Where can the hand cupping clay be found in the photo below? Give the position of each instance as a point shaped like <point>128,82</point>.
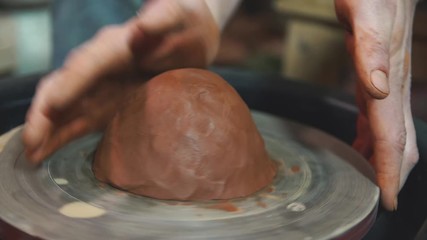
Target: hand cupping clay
<point>184,135</point>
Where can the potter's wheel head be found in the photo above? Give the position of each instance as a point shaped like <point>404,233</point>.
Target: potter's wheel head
<point>323,190</point>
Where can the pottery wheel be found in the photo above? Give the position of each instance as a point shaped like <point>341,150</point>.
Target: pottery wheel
<point>323,190</point>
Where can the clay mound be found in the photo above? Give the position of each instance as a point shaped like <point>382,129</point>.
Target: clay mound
<point>184,135</point>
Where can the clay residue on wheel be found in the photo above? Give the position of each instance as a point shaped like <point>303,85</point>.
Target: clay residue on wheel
<point>81,210</point>
<point>295,169</point>
<point>225,206</point>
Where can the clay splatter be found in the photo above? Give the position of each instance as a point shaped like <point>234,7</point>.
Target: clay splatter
<point>270,196</point>
<point>295,169</point>
<point>261,204</point>
<point>225,206</point>
<point>81,210</point>
<point>60,181</point>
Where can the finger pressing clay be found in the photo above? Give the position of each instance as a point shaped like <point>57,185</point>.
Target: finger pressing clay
<point>184,135</point>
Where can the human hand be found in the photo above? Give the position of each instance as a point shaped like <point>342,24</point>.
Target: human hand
<point>84,94</point>
<point>378,37</point>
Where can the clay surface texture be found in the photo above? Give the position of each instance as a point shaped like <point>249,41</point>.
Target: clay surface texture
<point>184,135</point>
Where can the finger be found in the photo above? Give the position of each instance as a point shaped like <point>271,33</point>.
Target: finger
<point>387,123</point>
<point>107,53</point>
<point>401,67</point>
<point>173,32</point>
<point>34,133</point>
<point>38,125</point>
<point>371,30</point>
<point>372,62</point>
<point>410,154</point>
<point>63,135</point>
<point>92,112</point>
<point>363,141</point>
<point>43,118</point>
<point>40,131</point>
<point>182,50</point>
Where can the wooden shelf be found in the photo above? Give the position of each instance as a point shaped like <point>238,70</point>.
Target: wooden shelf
<point>315,9</point>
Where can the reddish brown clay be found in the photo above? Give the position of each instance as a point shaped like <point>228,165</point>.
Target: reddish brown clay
<point>295,169</point>
<point>225,206</point>
<point>184,135</point>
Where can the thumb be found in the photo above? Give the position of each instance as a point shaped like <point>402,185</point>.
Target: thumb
<point>371,59</point>
<point>368,40</point>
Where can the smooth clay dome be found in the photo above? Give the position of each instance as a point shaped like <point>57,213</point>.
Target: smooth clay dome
<point>184,135</point>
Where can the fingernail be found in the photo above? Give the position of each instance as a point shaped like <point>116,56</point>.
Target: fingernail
<point>395,204</point>
<point>380,82</point>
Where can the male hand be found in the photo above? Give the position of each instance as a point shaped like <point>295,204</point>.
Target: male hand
<point>379,36</point>
<point>85,93</point>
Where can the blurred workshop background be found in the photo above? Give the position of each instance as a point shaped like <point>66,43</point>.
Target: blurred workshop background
<point>299,39</point>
